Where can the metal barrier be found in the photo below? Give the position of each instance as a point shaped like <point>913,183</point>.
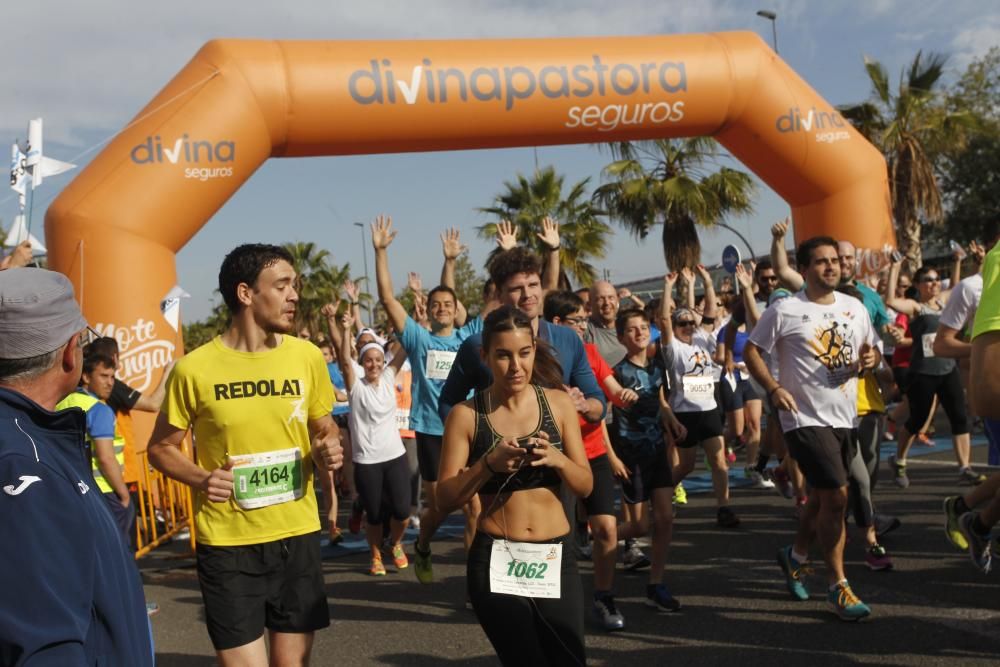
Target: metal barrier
<point>164,509</point>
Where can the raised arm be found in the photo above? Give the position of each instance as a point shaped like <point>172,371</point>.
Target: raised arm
<point>382,236</point>
<point>452,248</point>
<point>151,402</point>
<point>344,359</point>
<point>711,309</point>
<point>550,239</point>
<point>745,279</point>
<point>666,309</point>
<point>688,275</point>
<point>788,276</point>
<point>354,298</point>
<point>905,306</point>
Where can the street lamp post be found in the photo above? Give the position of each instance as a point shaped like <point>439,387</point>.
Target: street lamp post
<point>364,255</point>
<point>773,18</point>
<point>742,238</point>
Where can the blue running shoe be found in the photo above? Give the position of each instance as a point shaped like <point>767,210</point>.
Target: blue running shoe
<point>795,573</point>
<point>659,598</point>
<point>846,604</point>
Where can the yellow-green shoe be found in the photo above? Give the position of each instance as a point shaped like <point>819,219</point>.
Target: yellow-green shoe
<point>680,495</point>
<point>422,565</point>
<point>951,529</point>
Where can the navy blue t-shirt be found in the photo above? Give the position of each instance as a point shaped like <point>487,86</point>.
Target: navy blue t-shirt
<point>636,432</point>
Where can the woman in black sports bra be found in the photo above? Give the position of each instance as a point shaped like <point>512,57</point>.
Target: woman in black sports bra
<point>515,444</point>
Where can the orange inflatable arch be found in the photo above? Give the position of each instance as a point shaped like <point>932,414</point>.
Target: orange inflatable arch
<point>116,228</point>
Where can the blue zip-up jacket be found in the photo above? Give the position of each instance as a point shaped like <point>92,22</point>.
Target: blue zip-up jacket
<point>469,373</point>
<point>71,591</point>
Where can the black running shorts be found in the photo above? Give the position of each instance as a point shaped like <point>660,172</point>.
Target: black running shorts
<point>275,585</point>
<point>646,473</point>
<point>602,499</point>
<point>823,454</point>
<point>735,399</point>
<point>428,456</point>
<point>701,426</point>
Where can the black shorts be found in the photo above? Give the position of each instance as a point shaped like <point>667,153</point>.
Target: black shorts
<point>645,473</point>
<point>343,421</point>
<point>428,456</point>
<point>275,585</point>
<point>901,375</point>
<point>735,399</point>
<point>823,454</point>
<point>701,426</point>
<point>602,499</point>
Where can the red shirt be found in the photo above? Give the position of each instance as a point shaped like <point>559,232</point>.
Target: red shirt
<point>593,434</point>
<point>901,355</point>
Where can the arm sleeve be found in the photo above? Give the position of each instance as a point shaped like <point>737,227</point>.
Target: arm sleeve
<point>461,379</point>
<point>101,422</point>
<point>123,397</point>
<point>413,338</point>
<point>181,397</point>
<point>471,328</point>
<point>321,398</point>
<point>956,312</point>
<point>48,559</point>
<point>765,333</point>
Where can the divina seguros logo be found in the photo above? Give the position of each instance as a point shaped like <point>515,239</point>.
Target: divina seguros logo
<point>187,151</point>
<point>380,84</point>
<point>829,126</point>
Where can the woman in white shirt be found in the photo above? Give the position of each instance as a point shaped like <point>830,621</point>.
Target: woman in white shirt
<point>381,472</point>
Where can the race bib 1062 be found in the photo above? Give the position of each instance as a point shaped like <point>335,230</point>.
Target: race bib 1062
<point>527,570</point>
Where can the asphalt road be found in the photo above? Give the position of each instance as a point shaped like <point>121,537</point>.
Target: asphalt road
<point>933,608</point>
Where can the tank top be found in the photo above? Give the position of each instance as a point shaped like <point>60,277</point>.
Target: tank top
<point>485,438</point>
<point>923,328</point>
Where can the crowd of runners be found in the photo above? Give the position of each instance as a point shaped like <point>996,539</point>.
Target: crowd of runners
<point>561,424</point>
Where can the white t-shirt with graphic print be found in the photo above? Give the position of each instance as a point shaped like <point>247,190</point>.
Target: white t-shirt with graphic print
<point>692,372</point>
<point>817,348</point>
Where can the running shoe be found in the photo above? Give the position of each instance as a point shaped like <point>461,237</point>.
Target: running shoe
<point>726,518</point>
<point>877,558</point>
<point>795,573</point>
<point>730,455</point>
<point>659,598</point>
<point>968,476</point>
<point>336,535</point>
<point>354,523</point>
<point>377,569</point>
<point>634,559</point>
<point>757,479</point>
<point>152,609</point>
<point>414,522</point>
<point>422,565</point>
<point>885,524</point>
<point>846,604</point>
<point>951,527</point>
<point>680,495</point>
<point>399,558</point>
<point>979,545</point>
<point>924,439</point>
<point>783,483</point>
<point>607,614</point>
<point>585,552</point>
<point>898,472</point>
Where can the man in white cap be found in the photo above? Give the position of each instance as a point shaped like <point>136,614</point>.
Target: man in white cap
<point>71,591</point>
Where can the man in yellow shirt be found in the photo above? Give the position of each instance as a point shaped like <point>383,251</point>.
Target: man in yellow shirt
<point>258,402</point>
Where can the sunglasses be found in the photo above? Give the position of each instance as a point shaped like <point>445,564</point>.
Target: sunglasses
<point>87,336</point>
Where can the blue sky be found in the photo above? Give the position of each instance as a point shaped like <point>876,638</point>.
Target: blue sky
<point>87,68</point>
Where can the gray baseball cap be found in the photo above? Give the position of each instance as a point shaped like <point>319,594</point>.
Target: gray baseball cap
<point>38,312</point>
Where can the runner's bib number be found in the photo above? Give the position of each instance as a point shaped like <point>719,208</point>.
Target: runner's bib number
<point>927,342</point>
<point>699,389</point>
<point>439,364</point>
<point>527,570</point>
<point>271,478</point>
<point>403,419</point>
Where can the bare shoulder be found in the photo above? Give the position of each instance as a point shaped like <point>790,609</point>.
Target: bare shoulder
<point>559,401</point>
<point>461,417</point>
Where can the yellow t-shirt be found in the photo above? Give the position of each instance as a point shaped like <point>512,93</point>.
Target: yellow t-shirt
<point>259,403</point>
<point>988,313</point>
<point>869,395</point>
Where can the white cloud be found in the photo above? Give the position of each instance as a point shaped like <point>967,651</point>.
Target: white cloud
<point>976,40</point>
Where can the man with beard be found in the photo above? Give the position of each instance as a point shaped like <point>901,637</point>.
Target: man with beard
<point>258,401</point>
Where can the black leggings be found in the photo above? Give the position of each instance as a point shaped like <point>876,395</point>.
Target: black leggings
<point>862,470</point>
<point>951,396</point>
<point>528,631</point>
<point>389,480</point>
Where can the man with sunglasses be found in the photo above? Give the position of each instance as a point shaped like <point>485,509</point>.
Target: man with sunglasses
<point>71,591</point>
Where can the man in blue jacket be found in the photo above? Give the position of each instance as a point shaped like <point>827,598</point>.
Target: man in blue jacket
<point>71,590</point>
<point>517,275</point>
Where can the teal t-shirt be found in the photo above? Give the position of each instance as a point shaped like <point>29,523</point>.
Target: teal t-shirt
<point>430,358</point>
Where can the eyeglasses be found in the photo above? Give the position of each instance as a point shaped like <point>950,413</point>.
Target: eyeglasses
<point>686,323</point>
<point>87,336</point>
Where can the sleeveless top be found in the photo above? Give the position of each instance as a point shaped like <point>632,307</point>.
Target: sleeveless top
<point>486,438</point>
<point>923,328</point>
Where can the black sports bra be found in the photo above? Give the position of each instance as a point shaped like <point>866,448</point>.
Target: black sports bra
<point>485,438</point>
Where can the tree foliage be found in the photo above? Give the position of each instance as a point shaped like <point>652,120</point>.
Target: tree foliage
<point>527,201</point>
<point>676,183</point>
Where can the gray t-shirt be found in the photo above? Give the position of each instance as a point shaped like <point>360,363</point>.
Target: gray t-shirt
<point>606,340</point>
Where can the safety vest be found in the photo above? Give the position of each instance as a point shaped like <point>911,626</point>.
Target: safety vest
<point>81,399</point>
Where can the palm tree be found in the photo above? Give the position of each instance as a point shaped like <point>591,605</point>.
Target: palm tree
<point>317,283</point>
<point>910,127</point>
<point>526,202</point>
<point>676,183</point>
